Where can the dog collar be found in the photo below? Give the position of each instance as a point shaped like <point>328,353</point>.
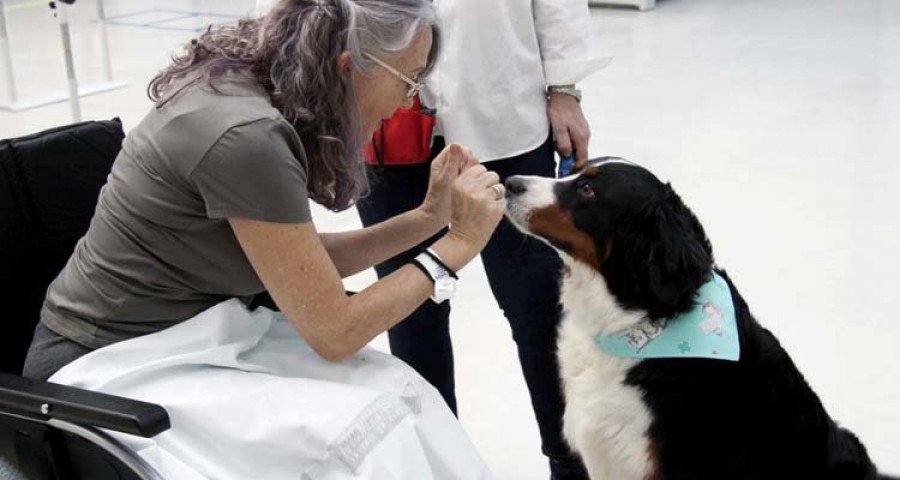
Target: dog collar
<point>707,331</point>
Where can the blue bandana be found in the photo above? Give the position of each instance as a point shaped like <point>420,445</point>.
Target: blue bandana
<point>707,331</point>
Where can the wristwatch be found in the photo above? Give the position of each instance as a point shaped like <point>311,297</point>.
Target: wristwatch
<point>443,277</point>
<point>569,90</point>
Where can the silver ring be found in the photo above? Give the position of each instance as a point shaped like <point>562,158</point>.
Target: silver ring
<point>500,190</point>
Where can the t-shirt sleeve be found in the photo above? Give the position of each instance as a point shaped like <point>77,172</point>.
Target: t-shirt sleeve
<point>255,171</point>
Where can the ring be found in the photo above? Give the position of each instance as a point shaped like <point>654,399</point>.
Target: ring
<point>500,190</point>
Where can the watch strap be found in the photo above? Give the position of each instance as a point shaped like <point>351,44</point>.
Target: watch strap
<point>434,256</point>
<point>439,276</point>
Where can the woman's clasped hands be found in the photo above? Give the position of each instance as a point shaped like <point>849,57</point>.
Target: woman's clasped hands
<point>465,194</point>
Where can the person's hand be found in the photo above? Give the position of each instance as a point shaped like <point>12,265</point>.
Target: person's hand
<point>445,169</point>
<point>570,129</point>
<point>478,204</point>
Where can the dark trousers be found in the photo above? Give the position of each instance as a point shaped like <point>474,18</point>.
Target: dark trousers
<point>49,352</point>
<point>524,277</point>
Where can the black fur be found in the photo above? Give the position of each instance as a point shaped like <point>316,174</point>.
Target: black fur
<point>660,241</point>
<point>654,237</point>
<point>752,419</point>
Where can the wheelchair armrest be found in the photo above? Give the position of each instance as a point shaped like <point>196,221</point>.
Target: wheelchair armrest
<point>45,400</point>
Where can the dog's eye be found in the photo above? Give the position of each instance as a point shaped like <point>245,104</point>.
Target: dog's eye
<point>586,190</point>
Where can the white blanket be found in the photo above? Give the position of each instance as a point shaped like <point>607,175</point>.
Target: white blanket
<point>248,398</point>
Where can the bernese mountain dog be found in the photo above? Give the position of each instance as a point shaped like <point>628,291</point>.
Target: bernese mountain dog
<point>667,375</point>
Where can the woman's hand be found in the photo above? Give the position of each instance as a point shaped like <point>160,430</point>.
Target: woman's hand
<point>477,206</point>
<point>445,169</point>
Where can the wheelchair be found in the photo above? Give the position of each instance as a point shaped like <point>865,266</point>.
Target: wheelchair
<point>49,185</point>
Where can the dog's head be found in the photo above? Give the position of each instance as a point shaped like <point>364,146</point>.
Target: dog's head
<point>619,220</point>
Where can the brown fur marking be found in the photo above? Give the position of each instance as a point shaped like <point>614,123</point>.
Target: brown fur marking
<point>558,227</point>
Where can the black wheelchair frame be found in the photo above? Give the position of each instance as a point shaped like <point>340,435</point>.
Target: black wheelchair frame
<point>49,185</point>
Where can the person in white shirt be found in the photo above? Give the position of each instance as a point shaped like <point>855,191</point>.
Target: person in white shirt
<point>504,86</point>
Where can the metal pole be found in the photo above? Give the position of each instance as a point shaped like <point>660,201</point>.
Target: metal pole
<point>104,41</point>
<point>63,15</point>
<point>6,58</point>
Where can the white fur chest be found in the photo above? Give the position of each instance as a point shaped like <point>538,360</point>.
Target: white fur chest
<point>606,421</point>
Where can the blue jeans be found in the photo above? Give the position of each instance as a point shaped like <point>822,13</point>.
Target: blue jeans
<point>523,274</point>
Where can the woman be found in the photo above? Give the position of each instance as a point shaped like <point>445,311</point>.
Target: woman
<point>208,199</point>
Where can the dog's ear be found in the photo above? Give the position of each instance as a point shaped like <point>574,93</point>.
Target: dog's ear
<point>664,255</point>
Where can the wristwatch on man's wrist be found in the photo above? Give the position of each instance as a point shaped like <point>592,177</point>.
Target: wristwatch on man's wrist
<point>443,277</point>
<point>569,90</point>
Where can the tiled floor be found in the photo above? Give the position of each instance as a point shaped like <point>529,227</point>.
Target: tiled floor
<point>778,122</point>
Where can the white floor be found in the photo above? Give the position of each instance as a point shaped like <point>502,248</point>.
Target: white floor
<point>778,122</point>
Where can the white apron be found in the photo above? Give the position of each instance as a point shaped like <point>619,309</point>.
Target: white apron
<point>248,398</point>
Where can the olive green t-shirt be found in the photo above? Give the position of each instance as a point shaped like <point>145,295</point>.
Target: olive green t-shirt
<point>160,249</point>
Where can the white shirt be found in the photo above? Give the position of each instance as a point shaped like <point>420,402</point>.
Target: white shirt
<point>497,58</point>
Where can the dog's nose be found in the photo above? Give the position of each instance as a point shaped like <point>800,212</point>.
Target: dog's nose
<point>515,185</point>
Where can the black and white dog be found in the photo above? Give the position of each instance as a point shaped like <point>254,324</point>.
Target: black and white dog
<point>666,373</point>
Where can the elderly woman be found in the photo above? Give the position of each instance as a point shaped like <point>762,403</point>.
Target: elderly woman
<point>209,201</point>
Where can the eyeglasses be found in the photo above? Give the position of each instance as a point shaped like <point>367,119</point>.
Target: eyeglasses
<point>414,86</point>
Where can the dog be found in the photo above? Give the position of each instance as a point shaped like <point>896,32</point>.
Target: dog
<point>640,288</point>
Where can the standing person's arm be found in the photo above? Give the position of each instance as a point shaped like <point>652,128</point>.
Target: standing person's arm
<point>565,36</point>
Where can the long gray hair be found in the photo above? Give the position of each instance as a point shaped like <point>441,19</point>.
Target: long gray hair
<point>293,53</point>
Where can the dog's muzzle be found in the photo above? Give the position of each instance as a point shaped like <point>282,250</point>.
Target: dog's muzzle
<point>524,194</point>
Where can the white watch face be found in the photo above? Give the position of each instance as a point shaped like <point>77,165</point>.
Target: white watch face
<point>444,289</point>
